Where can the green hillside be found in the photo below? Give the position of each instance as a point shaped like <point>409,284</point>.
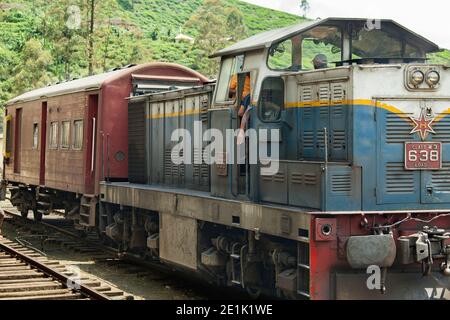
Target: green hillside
<point>37,47</point>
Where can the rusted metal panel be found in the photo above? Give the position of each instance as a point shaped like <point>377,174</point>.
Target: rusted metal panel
<point>178,240</point>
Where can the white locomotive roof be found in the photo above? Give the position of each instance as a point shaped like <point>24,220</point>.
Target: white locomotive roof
<point>267,39</point>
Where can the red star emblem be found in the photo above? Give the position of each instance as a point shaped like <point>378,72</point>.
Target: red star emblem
<point>423,126</point>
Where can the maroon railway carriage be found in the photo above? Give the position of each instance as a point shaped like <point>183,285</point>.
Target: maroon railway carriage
<point>63,139</point>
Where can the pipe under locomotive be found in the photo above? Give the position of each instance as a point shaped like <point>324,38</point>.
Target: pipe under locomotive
<point>359,206</point>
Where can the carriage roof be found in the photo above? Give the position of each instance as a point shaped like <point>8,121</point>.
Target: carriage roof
<point>96,82</point>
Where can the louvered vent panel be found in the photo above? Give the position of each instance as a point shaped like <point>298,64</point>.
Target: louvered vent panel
<point>204,110</point>
<point>279,177</point>
<point>168,162</point>
<point>321,139</point>
<point>442,128</point>
<point>324,94</point>
<point>308,140</point>
<point>337,112</point>
<point>398,129</point>
<point>339,139</point>
<point>297,178</point>
<point>441,179</point>
<point>310,179</point>
<point>338,94</point>
<point>398,180</point>
<point>341,183</point>
<point>324,113</point>
<point>205,171</point>
<point>306,95</point>
<point>307,113</point>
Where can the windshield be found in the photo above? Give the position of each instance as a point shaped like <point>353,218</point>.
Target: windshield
<point>379,43</point>
<point>297,53</point>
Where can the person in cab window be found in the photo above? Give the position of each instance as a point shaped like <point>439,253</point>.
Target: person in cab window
<point>320,62</point>
<point>246,92</point>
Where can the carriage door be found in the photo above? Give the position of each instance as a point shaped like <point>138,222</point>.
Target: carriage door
<point>43,143</point>
<point>18,140</point>
<point>92,121</point>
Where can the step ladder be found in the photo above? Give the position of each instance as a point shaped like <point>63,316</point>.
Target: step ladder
<point>88,210</point>
<point>236,265</point>
<point>44,205</point>
<point>303,270</point>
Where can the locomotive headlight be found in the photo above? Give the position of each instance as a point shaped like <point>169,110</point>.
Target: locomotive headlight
<point>433,78</point>
<point>417,78</point>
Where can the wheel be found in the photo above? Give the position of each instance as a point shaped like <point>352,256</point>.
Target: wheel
<point>37,216</point>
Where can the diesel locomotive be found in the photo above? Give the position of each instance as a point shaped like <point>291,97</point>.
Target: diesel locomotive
<point>359,206</point>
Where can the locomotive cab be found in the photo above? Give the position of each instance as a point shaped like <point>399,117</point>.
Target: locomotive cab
<point>314,106</point>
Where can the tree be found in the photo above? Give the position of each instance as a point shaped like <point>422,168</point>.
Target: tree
<point>32,71</point>
<point>305,7</point>
<point>217,26</point>
<point>90,35</point>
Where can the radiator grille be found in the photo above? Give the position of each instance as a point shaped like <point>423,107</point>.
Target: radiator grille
<point>398,129</point>
<point>398,180</point>
<point>442,129</point>
<point>441,179</point>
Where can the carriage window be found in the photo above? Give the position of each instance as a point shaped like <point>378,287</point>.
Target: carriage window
<point>65,134</point>
<point>54,135</point>
<point>78,134</point>
<point>229,67</point>
<point>35,135</point>
<point>272,99</point>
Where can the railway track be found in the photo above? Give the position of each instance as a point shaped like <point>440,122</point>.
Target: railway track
<point>27,275</point>
<point>55,235</point>
<point>62,232</point>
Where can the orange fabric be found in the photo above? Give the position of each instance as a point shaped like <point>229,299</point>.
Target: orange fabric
<point>234,84</point>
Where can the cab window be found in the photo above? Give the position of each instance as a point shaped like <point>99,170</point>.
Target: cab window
<point>271,100</point>
<point>381,43</point>
<point>229,67</point>
<point>298,52</point>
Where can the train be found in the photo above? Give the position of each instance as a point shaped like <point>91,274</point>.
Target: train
<point>286,177</point>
